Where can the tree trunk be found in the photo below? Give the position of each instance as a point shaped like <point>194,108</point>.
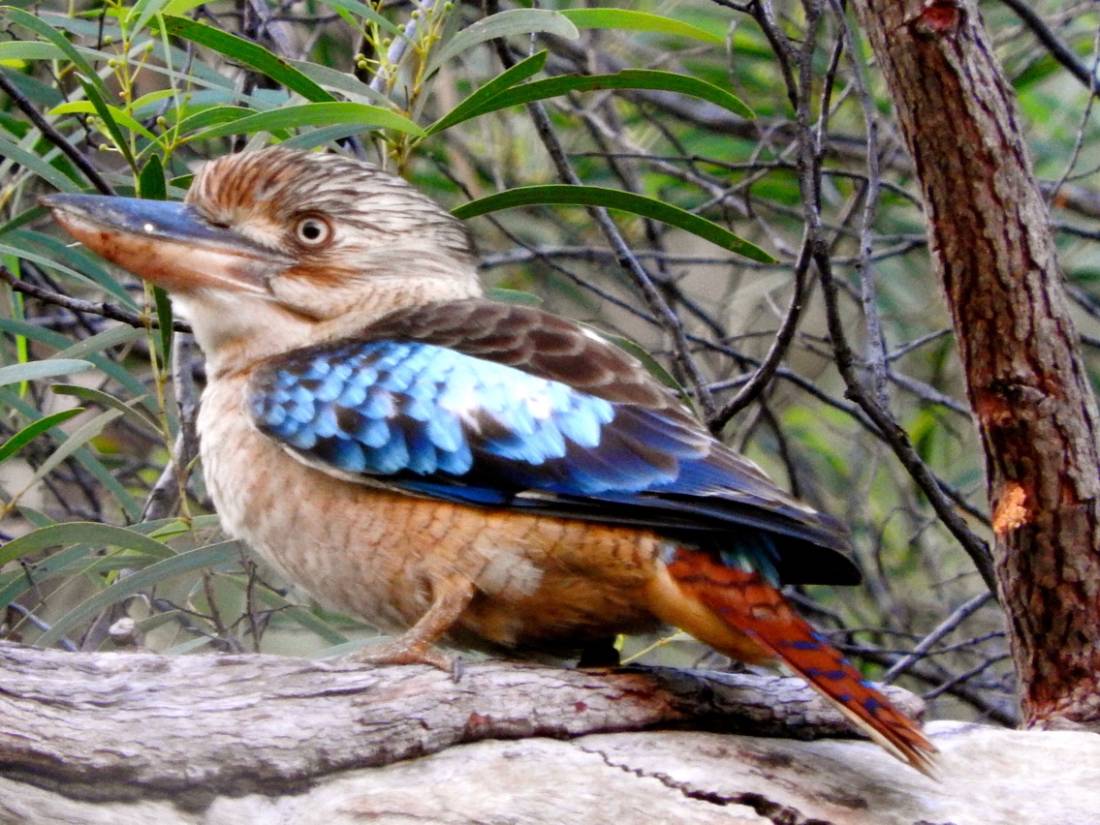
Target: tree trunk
<point>993,249</point>
<point>134,738</point>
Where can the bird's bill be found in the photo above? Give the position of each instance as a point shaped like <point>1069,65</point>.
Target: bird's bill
<point>167,243</point>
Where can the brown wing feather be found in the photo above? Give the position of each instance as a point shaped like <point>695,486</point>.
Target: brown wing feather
<point>557,349</point>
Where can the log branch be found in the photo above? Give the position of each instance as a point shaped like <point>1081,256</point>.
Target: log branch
<point>117,726</point>
<point>134,738</point>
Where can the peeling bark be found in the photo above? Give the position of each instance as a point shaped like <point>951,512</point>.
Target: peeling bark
<point>994,252</point>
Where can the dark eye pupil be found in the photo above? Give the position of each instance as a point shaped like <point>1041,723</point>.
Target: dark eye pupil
<point>311,230</point>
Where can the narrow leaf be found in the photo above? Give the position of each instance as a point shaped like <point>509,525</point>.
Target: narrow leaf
<point>34,370</point>
<point>82,532</point>
<point>39,166</point>
<point>48,32</point>
<point>504,24</point>
<point>502,82</point>
<point>314,114</point>
<point>214,554</point>
<point>143,10</point>
<point>613,199</point>
<point>626,79</point>
<point>108,401</point>
<point>345,82</point>
<point>26,435</point>
<point>80,436</point>
<point>112,337</point>
<point>366,12</point>
<point>639,21</point>
<point>30,50</point>
<point>246,52</point>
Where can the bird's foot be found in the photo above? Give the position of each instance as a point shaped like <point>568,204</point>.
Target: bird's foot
<point>399,652</point>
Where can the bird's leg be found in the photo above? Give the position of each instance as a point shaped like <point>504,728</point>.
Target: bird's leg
<point>416,645</point>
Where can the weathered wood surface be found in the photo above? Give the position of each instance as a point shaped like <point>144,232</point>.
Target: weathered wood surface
<point>218,740</point>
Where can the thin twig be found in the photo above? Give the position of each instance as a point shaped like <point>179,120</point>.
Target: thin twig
<point>100,308</point>
<point>957,617</point>
<point>1058,50</point>
<point>55,137</point>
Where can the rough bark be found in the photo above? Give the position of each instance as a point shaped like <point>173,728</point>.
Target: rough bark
<point>992,247</point>
<point>129,739</point>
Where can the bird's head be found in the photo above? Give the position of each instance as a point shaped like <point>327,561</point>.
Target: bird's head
<point>275,249</point>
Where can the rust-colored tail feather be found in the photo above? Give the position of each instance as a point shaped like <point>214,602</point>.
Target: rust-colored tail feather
<point>746,604</point>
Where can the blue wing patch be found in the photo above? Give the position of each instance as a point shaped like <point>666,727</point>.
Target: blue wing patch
<point>435,421</point>
<point>387,408</point>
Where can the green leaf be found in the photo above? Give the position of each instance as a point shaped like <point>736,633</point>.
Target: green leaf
<point>61,343</point>
<point>141,12</point>
<point>151,180</point>
<point>215,554</point>
<point>84,457</point>
<point>211,117</point>
<point>345,82</point>
<point>48,32</point>
<point>502,82</point>
<point>626,79</point>
<point>152,187</point>
<point>34,370</point>
<point>24,437</point>
<point>164,321</point>
<point>39,166</point>
<point>80,436</point>
<point>246,52</point>
<point>19,582</point>
<point>613,199</point>
<point>314,114</point>
<point>105,399</point>
<point>30,50</point>
<point>366,12</point>
<point>639,21</point>
<point>82,532</point>
<point>112,337</point>
<point>503,24</point>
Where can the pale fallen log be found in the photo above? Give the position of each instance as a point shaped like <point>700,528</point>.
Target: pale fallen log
<point>129,738</point>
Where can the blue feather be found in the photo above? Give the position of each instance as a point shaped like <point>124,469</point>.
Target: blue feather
<point>438,422</point>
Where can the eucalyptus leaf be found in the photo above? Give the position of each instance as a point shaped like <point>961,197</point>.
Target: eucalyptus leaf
<point>562,194</point>
<point>248,53</point>
<point>505,80</point>
<point>34,370</point>
<point>503,24</point>
<point>82,532</point>
<point>626,79</point>
<point>213,555</point>
<point>26,435</point>
<point>640,21</point>
<point>314,114</point>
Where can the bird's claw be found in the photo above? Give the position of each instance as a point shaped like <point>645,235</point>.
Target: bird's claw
<point>399,653</point>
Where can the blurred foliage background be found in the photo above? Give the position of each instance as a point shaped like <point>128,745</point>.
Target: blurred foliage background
<point>673,111</point>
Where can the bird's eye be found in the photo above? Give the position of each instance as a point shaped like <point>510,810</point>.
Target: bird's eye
<point>312,231</point>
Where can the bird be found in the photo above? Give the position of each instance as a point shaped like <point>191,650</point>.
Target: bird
<point>451,468</point>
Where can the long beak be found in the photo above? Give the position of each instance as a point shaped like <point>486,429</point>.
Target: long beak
<point>167,243</point>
